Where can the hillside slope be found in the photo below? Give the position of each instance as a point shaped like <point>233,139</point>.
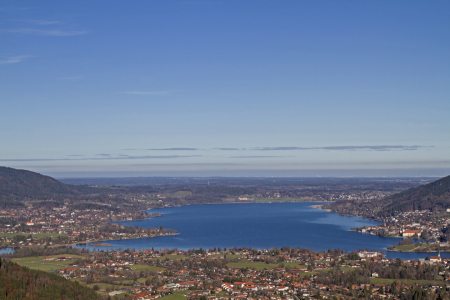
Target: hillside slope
<point>18,282</point>
<point>434,196</point>
<point>21,184</point>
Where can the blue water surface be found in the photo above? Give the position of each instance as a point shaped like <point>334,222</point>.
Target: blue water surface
<point>258,225</point>
<point>6,250</point>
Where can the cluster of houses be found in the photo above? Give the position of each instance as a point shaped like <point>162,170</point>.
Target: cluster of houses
<point>357,196</point>
<point>211,275</point>
<point>413,224</point>
<point>62,226</point>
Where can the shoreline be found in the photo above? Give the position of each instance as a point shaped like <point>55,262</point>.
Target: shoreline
<point>90,243</point>
<point>321,207</point>
<point>236,202</point>
<point>392,250</point>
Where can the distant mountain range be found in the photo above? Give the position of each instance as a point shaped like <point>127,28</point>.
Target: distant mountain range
<point>21,184</point>
<point>18,185</point>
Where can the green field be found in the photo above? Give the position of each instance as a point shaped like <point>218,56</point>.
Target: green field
<point>37,235</point>
<point>171,257</point>
<point>406,247</point>
<point>177,295</point>
<point>233,256</point>
<point>43,266</point>
<point>40,258</point>
<point>39,263</point>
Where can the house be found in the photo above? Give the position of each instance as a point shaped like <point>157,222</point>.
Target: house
<point>411,232</point>
<point>436,258</point>
<point>367,254</point>
<point>227,287</point>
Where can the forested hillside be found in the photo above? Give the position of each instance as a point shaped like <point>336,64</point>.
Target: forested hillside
<point>21,184</point>
<point>18,282</point>
<point>435,195</point>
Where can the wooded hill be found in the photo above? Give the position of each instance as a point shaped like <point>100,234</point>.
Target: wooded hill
<point>434,196</point>
<point>21,184</point>
<point>18,282</point>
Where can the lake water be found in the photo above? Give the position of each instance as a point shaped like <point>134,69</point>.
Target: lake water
<point>6,250</point>
<point>258,225</point>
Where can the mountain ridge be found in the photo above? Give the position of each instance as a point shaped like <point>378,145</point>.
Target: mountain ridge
<point>16,184</point>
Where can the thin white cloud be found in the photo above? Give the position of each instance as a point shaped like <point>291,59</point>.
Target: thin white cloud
<point>44,22</point>
<point>102,157</point>
<point>229,149</point>
<point>46,32</point>
<point>35,22</point>
<point>147,92</point>
<point>165,149</point>
<point>13,59</point>
<point>347,148</point>
<point>258,156</point>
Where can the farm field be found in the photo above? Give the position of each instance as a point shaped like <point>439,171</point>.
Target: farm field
<point>177,295</point>
<point>39,263</point>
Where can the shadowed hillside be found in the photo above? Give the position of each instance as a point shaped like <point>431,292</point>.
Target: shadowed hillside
<point>21,184</point>
<point>435,195</point>
<point>18,282</point>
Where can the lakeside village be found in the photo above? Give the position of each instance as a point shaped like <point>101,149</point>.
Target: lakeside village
<point>245,273</point>
<point>27,226</point>
<point>42,238</point>
<point>431,228</point>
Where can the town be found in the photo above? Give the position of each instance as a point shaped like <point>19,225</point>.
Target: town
<point>245,273</point>
<point>430,227</point>
<point>28,226</point>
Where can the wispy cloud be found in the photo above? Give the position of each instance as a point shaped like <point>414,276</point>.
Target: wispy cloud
<point>165,149</point>
<point>103,157</point>
<point>45,32</point>
<point>229,149</point>
<point>258,156</point>
<point>175,149</point>
<point>148,93</point>
<point>44,22</point>
<point>189,164</point>
<point>346,148</point>
<point>13,59</point>
<point>35,22</point>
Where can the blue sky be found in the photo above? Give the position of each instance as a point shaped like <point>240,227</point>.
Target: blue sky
<point>225,88</point>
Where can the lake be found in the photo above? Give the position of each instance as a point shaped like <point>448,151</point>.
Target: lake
<point>258,225</point>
